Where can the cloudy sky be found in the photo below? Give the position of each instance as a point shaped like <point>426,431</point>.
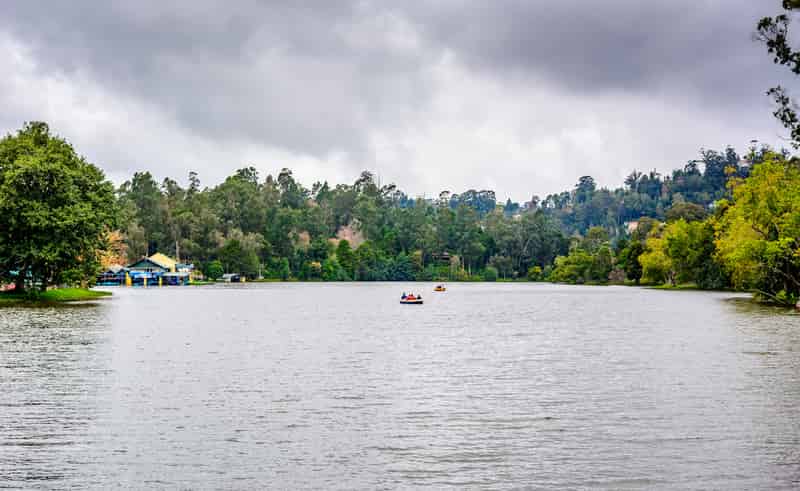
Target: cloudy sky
<point>520,96</point>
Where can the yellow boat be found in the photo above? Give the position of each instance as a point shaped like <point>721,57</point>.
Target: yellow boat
<point>440,288</point>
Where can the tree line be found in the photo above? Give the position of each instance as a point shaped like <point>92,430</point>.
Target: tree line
<point>655,229</point>
<point>718,222</point>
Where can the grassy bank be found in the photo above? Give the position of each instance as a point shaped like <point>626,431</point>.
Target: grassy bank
<point>687,287</point>
<point>56,295</point>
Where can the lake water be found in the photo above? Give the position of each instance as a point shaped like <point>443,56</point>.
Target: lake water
<point>338,386</point>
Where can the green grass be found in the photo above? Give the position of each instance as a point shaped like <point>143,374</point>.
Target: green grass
<point>667,286</point>
<point>55,295</point>
<point>687,287</point>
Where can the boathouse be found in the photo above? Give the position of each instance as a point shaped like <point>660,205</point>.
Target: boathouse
<point>114,275</point>
<point>159,268</point>
<point>157,263</point>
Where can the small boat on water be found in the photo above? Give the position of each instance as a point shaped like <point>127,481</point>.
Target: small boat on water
<point>440,288</point>
<point>411,299</point>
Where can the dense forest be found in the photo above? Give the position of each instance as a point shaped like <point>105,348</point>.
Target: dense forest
<point>721,221</point>
<point>659,229</point>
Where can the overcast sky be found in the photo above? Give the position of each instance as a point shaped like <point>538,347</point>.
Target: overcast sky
<point>519,96</point>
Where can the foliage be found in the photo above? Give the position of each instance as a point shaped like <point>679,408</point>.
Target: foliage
<point>367,232</point>
<point>237,257</point>
<point>345,257</point>
<point>333,271</point>
<point>590,260</point>
<point>373,232</point>
<point>689,212</point>
<point>657,266</point>
<point>758,236</point>
<point>535,273</point>
<point>490,274</point>
<point>687,193</point>
<point>774,33</point>
<point>56,210</point>
<point>214,269</point>
<point>628,260</point>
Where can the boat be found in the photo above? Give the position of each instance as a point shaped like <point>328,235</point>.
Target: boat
<point>411,300</point>
<point>440,288</point>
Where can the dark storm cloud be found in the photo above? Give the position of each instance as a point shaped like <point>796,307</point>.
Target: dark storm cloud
<point>308,80</point>
<point>423,75</point>
<point>613,45</point>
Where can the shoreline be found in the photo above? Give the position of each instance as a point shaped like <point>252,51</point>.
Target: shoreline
<point>53,296</point>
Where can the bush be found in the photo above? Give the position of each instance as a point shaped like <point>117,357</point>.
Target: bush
<point>213,270</point>
<point>490,274</point>
<point>535,273</point>
<point>333,271</point>
<point>314,270</point>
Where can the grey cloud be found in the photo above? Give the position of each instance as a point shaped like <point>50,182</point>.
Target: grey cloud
<point>614,45</point>
<point>319,81</point>
<point>270,72</point>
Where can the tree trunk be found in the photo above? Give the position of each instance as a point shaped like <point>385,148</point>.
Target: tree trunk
<point>19,282</point>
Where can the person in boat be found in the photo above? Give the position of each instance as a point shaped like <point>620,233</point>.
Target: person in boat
<point>404,296</point>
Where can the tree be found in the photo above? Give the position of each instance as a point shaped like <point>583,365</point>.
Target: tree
<point>333,271</point>
<point>400,269</point>
<point>369,265</point>
<point>56,209</point>
<point>656,264</point>
<point>774,33</point>
<point>214,270</point>
<point>602,263</point>
<point>293,195</point>
<point>628,259</point>
<point>142,195</point>
<point>595,237</point>
<point>689,212</point>
<point>758,236</point>
<point>238,255</point>
<point>490,274</point>
<point>572,268</point>
<point>534,273</point>
<point>345,257</point>
<point>284,273</point>
<point>503,265</point>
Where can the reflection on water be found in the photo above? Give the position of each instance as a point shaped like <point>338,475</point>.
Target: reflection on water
<point>748,306</point>
<point>340,386</point>
<point>50,373</point>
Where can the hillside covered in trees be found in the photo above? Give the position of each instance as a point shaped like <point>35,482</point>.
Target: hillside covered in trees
<point>719,222</point>
<point>275,227</point>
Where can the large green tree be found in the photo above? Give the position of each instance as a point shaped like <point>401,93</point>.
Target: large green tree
<point>758,236</point>
<point>55,209</point>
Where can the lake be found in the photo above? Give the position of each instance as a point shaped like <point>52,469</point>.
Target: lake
<point>338,386</point>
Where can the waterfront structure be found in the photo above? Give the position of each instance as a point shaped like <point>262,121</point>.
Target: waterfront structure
<point>113,275</point>
<point>157,263</point>
<point>158,269</point>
